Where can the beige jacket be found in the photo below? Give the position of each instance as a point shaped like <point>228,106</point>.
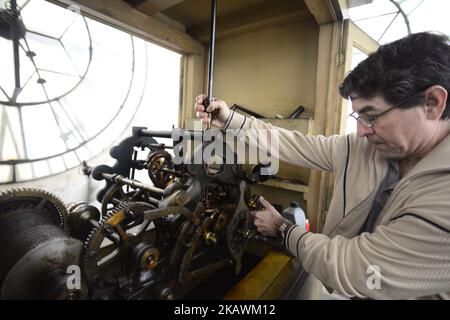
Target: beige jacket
<point>408,254</point>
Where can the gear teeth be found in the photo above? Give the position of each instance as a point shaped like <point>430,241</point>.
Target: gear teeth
<point>87,246</point>
<point>58,204</point>
<point>138,205</point>
<point>86,260</point>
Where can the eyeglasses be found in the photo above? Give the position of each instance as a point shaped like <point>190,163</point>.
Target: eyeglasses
<point>370,122</point>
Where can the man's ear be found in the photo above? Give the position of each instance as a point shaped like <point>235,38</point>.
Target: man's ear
<point>436,99</point>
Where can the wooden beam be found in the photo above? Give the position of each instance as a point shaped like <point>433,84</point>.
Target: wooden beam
<point>252,18</point>
<point>329,65</point>
<point>151,7</point>
<point>288,185</point>
<point>322,10</point>
<point>123,16</point>
<point>193,84</point>
<point>134,3</point>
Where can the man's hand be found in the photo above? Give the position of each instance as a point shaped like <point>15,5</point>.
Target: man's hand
<point>268,220</point>
<point>222,112</point>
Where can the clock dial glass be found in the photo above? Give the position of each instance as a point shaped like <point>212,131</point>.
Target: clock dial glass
<point>69,91</point>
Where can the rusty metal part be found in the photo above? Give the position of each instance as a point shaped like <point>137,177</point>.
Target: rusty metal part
<point>82,217</point>
<point>236,241</point>
<point>43,201</point>
<point>150,259</point>
<point>104,265</point>
<point>146,256</point>
<point>116,195</point>
<point>194,247</point>
<point>36,251</point>
<point>101,265</point>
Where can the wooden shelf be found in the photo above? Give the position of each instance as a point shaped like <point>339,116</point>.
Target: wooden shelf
<point>286,184</point>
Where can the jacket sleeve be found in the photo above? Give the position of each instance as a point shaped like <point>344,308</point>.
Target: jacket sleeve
<point>407,258</point>
<point>314,152</point>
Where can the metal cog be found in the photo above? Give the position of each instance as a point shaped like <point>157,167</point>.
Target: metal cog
<point>16,199</point>
<point>194,243</point>
<point>156,163</point>
<point>111,223</point>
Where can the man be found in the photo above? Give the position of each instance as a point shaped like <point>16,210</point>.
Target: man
<point>387,232</point>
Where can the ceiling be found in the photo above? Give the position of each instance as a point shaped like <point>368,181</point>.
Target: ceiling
<point>194,15</point>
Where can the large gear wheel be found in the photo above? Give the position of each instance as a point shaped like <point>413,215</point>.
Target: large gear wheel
<point>238,225</point>
<point>43,202</point>
<point>101,262</point>
<point>36,249</point>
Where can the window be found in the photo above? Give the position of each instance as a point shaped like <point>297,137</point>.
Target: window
<point>389,20</point>
<point>82,85</point>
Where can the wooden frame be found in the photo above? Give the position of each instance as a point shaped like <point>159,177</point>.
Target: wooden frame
<point>336,41</point>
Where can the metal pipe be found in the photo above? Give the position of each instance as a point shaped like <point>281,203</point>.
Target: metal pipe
<point>15,40</point>
<point>156,134</point>
<point>197,135</point>
<point>250,112</point>
<point>212,47</point>
<point>133,183</point>
<point>297,112</point>
<point>137,184</point>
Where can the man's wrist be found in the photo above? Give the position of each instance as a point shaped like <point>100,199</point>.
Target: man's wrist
<point>283,226</point>
<point>228,120</point>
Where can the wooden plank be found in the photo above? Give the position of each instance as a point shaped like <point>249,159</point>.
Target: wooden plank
<point>278,287</point>
<point>321,10</point>
<point>152,7</point>
<point>252,18</point>
<point>123,16</point>
<point>265,280</point>
<point>193,80</point>
<point>361,40</point>
<point>329,57</point>
<point>288,185</point>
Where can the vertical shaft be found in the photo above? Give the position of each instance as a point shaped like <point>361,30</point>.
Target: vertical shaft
<point>15,41</point>
<point>212,46</point>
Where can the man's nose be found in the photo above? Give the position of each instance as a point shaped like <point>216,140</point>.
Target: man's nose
<point>363,130</point>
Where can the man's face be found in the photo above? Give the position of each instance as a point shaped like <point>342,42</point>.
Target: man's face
<point>398,133</point>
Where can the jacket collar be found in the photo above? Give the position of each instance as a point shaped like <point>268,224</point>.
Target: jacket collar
<point>438,159</point>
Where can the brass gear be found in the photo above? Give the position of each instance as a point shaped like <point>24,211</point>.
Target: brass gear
<point>14,200</point>
<point>157,162</point>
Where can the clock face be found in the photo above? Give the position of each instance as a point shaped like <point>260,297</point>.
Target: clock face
<point>69,86</point>
<point>54,56</point>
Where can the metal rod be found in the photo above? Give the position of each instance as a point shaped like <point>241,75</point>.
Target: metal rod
<point>155,134</point>
<point>212,47</point>
<point>197,135</point>
<point>297,112</point>
<point>139,185</point>
<point>250,112</point>
<point>15,39</point>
